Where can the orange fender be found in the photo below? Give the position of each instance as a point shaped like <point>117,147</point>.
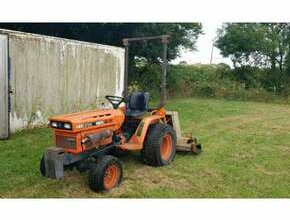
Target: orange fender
<point>137,139</point>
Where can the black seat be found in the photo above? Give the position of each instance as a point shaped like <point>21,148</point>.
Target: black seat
<point>137,104</point>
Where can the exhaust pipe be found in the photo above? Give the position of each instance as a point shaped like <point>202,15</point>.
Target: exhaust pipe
<point>92,139</point>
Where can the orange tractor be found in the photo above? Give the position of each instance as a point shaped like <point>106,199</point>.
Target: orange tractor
<point>88,140</point>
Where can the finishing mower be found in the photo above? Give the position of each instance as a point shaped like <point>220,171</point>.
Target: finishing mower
<point>88,140</point>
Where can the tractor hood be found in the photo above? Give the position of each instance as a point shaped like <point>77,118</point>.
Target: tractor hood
<point>87,119</point>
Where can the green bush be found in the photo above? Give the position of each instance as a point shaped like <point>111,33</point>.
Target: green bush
<point>212,81</point>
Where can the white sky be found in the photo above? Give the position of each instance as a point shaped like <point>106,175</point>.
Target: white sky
<point>204,47</point>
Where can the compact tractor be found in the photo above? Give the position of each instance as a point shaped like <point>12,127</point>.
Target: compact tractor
<point>91,140</point>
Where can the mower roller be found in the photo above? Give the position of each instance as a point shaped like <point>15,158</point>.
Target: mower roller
<point>92,140</point>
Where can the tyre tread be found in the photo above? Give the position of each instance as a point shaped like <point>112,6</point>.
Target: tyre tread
<point>97,174</point>
<point>151,151</point>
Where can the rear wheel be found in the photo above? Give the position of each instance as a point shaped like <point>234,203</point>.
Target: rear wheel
<point>106,175</point>
<point>160,145</point>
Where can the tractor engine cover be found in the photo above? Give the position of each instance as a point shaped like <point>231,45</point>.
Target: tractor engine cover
<point>80,132</point>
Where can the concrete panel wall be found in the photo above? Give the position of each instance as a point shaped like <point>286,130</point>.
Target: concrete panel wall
<point>54,76</point>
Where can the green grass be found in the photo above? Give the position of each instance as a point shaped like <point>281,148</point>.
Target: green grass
<point>246,154</point>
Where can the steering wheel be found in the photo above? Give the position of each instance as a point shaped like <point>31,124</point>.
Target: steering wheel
<point>115,100</point>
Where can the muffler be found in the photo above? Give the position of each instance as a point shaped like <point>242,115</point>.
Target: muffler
<point>95,138</point>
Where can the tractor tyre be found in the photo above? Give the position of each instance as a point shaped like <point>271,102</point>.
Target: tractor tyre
<point>43,171</point>
<point>107,174</point>
<point>160,145</point>
<point>42,167</point>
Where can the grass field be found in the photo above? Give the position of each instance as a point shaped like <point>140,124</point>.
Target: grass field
<point>246,154</point>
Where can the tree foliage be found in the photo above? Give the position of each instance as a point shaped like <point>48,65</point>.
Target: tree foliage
<point>264,45</point>
<point>183,35</point>
<point>255,43</point>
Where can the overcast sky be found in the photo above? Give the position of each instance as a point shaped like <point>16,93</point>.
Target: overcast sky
<point>204,47</point>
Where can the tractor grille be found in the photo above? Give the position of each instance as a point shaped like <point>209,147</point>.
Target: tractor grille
<point>65,142</point>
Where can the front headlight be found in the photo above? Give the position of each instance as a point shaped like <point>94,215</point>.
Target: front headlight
<point>61,125</point>
<point>53,124</point>
<point>67,126</point>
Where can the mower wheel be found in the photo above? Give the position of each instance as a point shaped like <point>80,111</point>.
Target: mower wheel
<point>107,174</point>
<point>42,167</point>
<point>160,145</point>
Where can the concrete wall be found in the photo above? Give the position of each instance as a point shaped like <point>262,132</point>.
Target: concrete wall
<point>53,76</point>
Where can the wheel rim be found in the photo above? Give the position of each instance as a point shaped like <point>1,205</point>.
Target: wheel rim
<point>166,147</point>
<point>111,176</point>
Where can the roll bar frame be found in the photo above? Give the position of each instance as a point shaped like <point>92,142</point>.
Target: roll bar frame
<point>164,40</point>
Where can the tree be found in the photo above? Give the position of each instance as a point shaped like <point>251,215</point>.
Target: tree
<point>183,35</point>
<point>257,44</point>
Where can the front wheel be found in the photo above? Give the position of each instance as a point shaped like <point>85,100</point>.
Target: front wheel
<point>160,145</point>
<point>107,174</point>
<point>42,167</point>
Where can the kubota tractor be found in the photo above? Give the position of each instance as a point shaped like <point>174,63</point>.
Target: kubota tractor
<point>88,140</point>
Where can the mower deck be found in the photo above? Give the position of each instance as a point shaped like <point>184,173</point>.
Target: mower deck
<point>184,144</point>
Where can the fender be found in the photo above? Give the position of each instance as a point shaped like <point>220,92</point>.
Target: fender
<point>137,139</point>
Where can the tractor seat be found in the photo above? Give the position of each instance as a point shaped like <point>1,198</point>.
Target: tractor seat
<point>137,104</point>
